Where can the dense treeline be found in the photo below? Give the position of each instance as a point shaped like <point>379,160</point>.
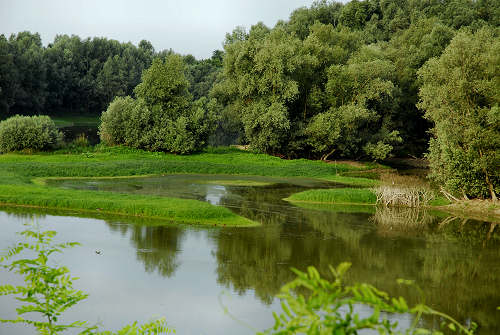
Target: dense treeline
<point>363,80</point>
<point>374,78</point>
<point>342,79</point>
<point>74,76</point>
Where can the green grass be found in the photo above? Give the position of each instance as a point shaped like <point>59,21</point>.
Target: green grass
<point>121,161</point>
<point>336,196</point>
<point>439,201</point>
<point>179,210</point>
<point>22,179</point>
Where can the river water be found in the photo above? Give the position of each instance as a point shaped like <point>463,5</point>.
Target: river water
<point>192,274</point>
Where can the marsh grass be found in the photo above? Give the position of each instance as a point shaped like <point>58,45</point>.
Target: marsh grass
<point>23,179</point>
<point>335,196</point>
<point>178,210</point>
<point>407,191</point>
<point>103,161</point>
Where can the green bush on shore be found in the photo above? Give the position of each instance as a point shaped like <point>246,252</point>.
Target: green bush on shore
<point>28,133</point>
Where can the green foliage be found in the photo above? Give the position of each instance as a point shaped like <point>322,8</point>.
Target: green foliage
<point>314,305</point>
<point>155,327</point>
<point>28,133</point>
<point>165,86</point>
<point>111,129</point>
<point>22,179</point>
<point>460,95</point>
<point>48,289</point>
<point>162,118</point>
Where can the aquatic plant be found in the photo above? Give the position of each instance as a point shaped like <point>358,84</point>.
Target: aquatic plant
<point>409,196</point>
<point>407,191</point>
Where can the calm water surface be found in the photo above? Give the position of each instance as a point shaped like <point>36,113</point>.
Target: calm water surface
<point>189,274</point>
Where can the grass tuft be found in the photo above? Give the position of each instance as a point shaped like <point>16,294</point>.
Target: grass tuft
<point>336,196</point>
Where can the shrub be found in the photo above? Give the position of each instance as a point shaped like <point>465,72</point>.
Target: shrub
<point>111,129</point>
<point>28,133</point>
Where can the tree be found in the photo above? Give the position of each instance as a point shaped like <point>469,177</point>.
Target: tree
<point>163,117</point>
<point>258,70</point>
<point>361,99</point>
<point>461,96</point>
<point>164,85</point>
<point>409,50</point>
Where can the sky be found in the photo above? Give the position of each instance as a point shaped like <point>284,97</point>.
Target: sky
<point>196,27</point>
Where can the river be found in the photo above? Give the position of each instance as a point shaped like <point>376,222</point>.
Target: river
<point>138,269</point>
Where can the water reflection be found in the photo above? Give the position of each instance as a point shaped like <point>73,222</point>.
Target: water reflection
<point>157,247</point>
<point>215,193</point>
<point>454,261</point>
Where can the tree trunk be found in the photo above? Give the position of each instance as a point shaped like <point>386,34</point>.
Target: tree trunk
<point>488,182</point>
<point>492,189</point>
<point>327,155</point>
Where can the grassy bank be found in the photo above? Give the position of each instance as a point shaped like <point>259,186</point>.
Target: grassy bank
<point>22,179</point>
<point>336,196</point>
<point>120,161</point>
<point>179,210</point>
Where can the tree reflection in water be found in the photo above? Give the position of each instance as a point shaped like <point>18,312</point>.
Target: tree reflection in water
<point>454,261</point>
<point>156,247</point>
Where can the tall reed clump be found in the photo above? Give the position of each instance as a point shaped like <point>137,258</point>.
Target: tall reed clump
<point>405,191</point>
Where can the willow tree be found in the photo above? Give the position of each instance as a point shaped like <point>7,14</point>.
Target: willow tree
<point>461,96</point>
<point>258,69</point>
<point>362,98</point>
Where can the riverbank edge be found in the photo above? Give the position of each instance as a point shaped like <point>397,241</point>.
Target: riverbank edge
<point>21,185</point>
<point>186,211</point>
<point>481,210</point>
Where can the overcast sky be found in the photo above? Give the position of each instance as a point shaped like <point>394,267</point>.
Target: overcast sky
<point>191,26</point>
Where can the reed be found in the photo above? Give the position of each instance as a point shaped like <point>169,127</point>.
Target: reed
<point>407,191</point>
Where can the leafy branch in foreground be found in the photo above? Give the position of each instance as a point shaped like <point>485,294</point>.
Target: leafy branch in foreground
<point>330,307</point>
<point>49,289</point>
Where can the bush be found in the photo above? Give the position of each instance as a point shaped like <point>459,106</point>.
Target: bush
<point>111,129</point>
<point>28,133</point>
